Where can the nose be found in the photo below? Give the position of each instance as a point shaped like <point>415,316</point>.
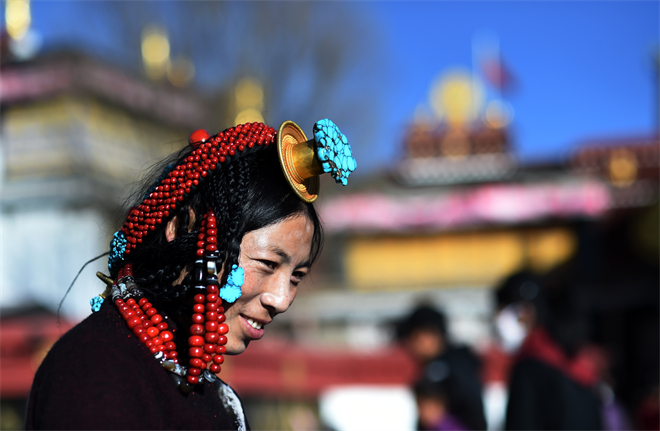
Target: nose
<point>278,295</point>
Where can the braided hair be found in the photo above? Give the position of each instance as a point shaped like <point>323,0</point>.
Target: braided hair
<point>247,194</point>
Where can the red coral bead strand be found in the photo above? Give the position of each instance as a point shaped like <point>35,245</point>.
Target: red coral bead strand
<point>145,322</point>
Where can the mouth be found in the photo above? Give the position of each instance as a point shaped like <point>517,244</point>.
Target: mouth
<point>254,328</point>
<point>254,324</point>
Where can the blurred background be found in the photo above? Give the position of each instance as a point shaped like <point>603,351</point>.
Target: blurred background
<point>491,138</point>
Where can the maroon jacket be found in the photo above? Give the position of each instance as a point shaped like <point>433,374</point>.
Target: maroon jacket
<point>100,376</point>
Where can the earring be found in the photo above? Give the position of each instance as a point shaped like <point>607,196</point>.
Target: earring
<point>231,291</point>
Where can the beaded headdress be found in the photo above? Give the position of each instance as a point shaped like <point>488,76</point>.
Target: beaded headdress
<point>302,161</point>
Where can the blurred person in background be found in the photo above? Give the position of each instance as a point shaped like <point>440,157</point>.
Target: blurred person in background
<point>214,248</point>
<point>554,379</point>
<point>433,407</point>
<point>456,368</point>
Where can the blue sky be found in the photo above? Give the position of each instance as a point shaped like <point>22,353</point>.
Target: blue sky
<point>583,70</point>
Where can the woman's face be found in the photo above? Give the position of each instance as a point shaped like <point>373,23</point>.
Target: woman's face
<point>275,259</point>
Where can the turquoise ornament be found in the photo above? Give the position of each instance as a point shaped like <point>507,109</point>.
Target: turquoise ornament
<point>117,249</point>
<point>96,303</point>
<point>333,151</point>
<point>231,291</point>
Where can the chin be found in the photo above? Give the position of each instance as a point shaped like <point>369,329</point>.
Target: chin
<point>237,348</point>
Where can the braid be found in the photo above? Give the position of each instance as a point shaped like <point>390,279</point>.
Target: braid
<point>217,200</point>
<point>240,183</point>
<point>170,258</point>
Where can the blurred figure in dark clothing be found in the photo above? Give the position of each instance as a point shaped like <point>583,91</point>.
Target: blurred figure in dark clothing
<point>424,335</point>
<point>433,407</point>
<point>554,379</point>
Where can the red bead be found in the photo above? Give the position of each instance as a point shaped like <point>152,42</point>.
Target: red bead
<point>130,301</point>
<point>156,319</point>
<point>218,359</point>
<point>170,345</point>
<point>194,371</point>
<point>209,348</point>
<point>211,337</point>
<point>193,380</point>
<point>144,337</point>
<point>222,340</point>
<point>206,357</point>
<point>198,318</point>
<point>211,316</point>
<point>152,331</point>
<point>150,343</point>
<point>173,355</point>
<point>153,349</point>
<point>196,362</point>
<point>222,328</point>
<point>211,307</point>
<point>162,326</point>
<point>215,368</point>
<point>133,322</point>
<point>212,288</point>
<point>198,137</point>
<point>211,326</point>
<point>195,352</point>
<point>166,336</point>
<point>221,317</point>
<point>195,341</point>
<point>150,312</point>
<point>158,341</point>
<point>199,298</point>
<point>197,329</point>
<point>212,297</point>
<point>138,330</point>
<point>221,350</point>
<point>198,308</point>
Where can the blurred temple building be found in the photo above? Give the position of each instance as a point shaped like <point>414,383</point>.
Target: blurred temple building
<point>454,216</point>
<point>458,214</point>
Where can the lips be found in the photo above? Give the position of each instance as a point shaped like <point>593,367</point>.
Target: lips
<point>253,328</point>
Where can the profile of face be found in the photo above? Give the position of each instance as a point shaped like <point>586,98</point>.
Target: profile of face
<point>431,411</point>
<point>512,325</point>
<point>424,344</point>
<point>275,258</point>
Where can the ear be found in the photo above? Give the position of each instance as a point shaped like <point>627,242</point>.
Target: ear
<point>171,228</point>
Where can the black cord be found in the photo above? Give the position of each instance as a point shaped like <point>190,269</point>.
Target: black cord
<point>74,280</point>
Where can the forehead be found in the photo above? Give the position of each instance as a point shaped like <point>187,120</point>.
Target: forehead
<point>292,236</point>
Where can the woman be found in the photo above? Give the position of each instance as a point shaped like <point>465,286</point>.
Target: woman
<point>213,250</point>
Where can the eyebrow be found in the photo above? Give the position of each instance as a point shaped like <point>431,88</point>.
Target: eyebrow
<point>285,256</point>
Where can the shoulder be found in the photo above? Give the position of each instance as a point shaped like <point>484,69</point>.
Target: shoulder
<point>87,374</point>
<point>461,357</point>
<point>101,339</point>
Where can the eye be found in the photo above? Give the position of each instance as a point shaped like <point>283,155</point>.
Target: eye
<point>268,263</point>
<point>297,277</point>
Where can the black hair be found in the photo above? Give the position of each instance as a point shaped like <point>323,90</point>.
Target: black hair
<point>246,194</point>
<point>423,317</point>
<point>520,286</point>
<point>427,388</point>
